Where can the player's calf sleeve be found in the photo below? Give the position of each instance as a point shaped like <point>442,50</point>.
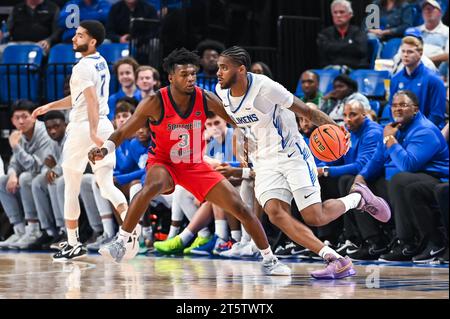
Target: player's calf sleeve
<point>134,189</point>
<point>104,179</point>
<point>72,180</point>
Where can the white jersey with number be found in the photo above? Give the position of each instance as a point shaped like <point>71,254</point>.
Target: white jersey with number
<point>263,111</point>
<point>91,70</point>
<point>282,161</point>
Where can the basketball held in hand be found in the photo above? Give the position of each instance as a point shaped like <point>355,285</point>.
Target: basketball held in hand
<point>327,143</point>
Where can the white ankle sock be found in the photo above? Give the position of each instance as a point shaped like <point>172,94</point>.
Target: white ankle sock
<point>34,226</point>
<point>221,228</point>
<point>123,236</point>
<point>72,236</point>
<point>351,201</point>
<point>327,250</point>
<point>267,253</point>
<point>108,226</point>
<point>236,235</point>
<point>173,231</point>
<point>186,236</point>
<point>19,228</point>
<point>204,232</point>
<point>245,236</point>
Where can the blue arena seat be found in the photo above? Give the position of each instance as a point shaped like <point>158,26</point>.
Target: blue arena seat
<point>20,72</point>
<point>375,106</point>
<point>112,52</point>
<point>370,82</point>
<point>390,48</point>
<point>60,63</point>
<point>325,83</point>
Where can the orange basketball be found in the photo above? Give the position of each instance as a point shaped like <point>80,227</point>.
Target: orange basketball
<point>327,143</point>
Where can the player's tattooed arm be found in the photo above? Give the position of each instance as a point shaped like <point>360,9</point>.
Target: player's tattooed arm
<point>317,117</point>
<point>215,105</point>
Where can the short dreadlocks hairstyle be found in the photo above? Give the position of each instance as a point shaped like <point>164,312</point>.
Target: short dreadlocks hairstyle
<point>181,57</point>
<point>239,56</point>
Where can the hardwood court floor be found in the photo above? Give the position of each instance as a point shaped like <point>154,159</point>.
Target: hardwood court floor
<point>34,275</point>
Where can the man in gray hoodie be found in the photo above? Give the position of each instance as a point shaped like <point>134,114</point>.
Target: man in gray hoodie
<point>30,145</point>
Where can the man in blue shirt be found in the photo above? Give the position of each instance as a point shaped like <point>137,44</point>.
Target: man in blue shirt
<point>125,70</point>
<point>425,84</point>
<point>412,150</point>
<point>336,178</point>
<point>429,202</point>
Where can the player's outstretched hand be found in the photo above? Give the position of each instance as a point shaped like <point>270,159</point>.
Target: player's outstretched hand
<point>39,111</point>
<point>96,154</point>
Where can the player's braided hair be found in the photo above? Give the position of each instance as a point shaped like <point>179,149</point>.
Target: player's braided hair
<point>239,56</point>
<point>181,57</point>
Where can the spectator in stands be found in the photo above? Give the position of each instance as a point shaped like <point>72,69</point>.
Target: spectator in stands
<point>209,51</point>
<point>344,89</point>
<point>30,145</point>
<point>435,35</point>
<point>429,202</point>
<point>261,68</point>
<point>395,17</point>
<point>412,150</point>
<point>365,135</point>
<point>342,45</point>
<point>125,69</point>
<point>120,15</point>
<point>34,21</point>
<point>87,10</point>
<point>398,64</point>
<point>147,80</point>
<point>426,85</point>
<point>44,185</point>
<point>310,86</point>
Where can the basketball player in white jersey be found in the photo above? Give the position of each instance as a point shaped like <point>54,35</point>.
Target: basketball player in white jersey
<point>283,164</point>
<point>88,126</point>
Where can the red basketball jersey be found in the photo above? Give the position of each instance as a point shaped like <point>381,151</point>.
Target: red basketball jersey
<point>178,138</point>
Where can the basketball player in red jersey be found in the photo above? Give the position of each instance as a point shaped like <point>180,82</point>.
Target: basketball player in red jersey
<point>178,115</point>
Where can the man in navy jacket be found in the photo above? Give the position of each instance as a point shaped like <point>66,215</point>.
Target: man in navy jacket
<point>416,77</point>
<point>412,150</point>
<point>336,178</point>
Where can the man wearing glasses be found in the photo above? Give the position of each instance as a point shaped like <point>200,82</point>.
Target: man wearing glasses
<point>412,150</point>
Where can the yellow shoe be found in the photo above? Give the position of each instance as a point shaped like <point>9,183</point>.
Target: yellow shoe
<point>170,246</point>
<point>199,241</point>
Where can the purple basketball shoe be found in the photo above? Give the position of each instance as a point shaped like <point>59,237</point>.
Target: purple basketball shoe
<point>336,268</point>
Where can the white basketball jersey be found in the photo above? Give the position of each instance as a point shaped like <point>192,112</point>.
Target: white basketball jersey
<point>92,70</point>
<point>263,110</point>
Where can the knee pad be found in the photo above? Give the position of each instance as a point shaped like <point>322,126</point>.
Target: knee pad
<point>72,184</point>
